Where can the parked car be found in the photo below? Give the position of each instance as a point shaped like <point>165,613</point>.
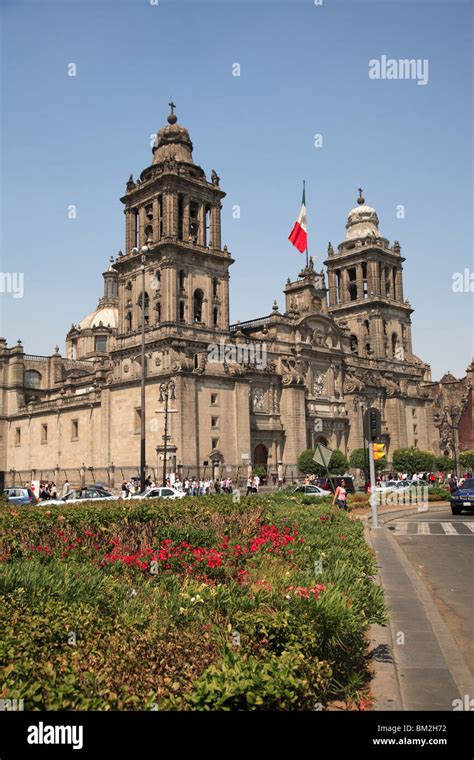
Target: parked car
<point>389,485</point>
<point>83,494</point>
<point>310,490</point>
<point>463,498</point>
<point>20,496</point>
<point>159,492</point>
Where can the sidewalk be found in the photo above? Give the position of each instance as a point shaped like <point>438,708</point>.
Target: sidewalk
<point>417,665</point>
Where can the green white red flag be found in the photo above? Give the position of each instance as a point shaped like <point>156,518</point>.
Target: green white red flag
<point>298,235</point>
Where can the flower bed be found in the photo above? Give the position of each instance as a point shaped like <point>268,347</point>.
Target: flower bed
<point>198,604</point>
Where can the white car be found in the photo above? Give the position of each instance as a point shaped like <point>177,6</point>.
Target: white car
<point>310,490</point>
<point>159,492</point>
<point>388,485</point>
<point>82,494</point>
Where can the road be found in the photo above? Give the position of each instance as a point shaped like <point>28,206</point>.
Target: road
<point>440,548</point>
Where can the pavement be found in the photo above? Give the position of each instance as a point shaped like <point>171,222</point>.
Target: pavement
<point>424,658</point>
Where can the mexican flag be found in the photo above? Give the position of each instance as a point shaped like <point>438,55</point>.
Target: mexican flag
<point>298,234</point>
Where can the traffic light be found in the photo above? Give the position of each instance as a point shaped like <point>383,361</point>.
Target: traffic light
<point>378,451</point>
<point>372,424</point>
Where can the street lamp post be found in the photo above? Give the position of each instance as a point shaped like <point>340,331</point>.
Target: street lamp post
<point>166,392</point>
<point>359,404</point>
<point>143,250</point>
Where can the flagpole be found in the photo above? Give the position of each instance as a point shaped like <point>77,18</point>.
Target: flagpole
<point>304,196</point>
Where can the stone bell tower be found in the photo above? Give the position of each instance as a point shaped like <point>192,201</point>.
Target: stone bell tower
<point>175,212</point>
<point>366,289</point>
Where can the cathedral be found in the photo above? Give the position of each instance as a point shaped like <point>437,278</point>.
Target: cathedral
<point>257,392</point>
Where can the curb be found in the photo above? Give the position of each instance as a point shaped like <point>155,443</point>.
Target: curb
<point>387,672</point>
<point>385,676</point>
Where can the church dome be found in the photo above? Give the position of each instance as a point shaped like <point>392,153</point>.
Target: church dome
<point>108,315</point>
<point>173,141</point>
<point>362,220</point>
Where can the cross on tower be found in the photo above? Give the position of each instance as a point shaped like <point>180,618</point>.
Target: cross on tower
<point>172,106</point>
<point>360,191</point>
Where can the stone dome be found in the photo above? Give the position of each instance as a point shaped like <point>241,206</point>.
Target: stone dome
<point>173,141</point>
<point>108,315</point>
<point>362,221</point>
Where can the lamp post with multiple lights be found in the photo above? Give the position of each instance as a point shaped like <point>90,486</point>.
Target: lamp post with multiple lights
<point>166,393</point>
<point>143,250</point>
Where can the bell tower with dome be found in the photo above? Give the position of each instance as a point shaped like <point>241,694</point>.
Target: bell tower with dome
<point>366,289</point>
<point>175,213</point>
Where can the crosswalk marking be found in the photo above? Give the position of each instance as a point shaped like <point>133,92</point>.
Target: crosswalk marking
<point>449,528</point>
<point>416,528</point>
<point>401,528</point>
<point>423,528</point>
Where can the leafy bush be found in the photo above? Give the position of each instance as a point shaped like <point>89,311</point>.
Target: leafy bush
<point>413,460</point>
<point>466,459</point>
<point>338,463</point>
<point>444,464</point>
<point>290,681</point>
<point>125,605</point>
<point>358,457</point>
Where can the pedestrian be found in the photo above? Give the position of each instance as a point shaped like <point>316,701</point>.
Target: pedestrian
<point>452,483</point>
<point>249,486</point>
<point>340,496</point>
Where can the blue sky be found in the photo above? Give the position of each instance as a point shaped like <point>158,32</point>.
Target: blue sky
<point>304,70</point>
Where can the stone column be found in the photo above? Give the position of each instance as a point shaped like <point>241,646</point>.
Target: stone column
<point>398,285</point>
<point>359,281</point>
<point>373,278</point>
<point>409,348</point>
<point>156,220</point>
<point>293,417</point>
<point>224,308</point>
<point>216,226</point>
<point>186,218</point>
<point>202,224</point>
<point>332,287</point>
<point>132,228</point>
<point>126,211</point>
<point>330,382</point>
<point>377,338</point>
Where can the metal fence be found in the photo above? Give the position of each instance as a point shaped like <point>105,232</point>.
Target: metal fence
<point>111,477</point>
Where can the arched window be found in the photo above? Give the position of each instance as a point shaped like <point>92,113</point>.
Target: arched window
<point>128,286</point>
<point>181,311</point>
<point>32,378</point>
<point>322,440</point>
<point>214,287</point>
<point>215,316</point>
<point>129,321</point>
<point>156,280</point>
<point>182,276</point>
<point>158,312</point>
<point>197,305</point>
<point>354,344</point>
<point>368,349</point>
<point>149,233</point>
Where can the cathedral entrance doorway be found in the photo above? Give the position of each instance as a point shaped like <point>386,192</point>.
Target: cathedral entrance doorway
<point>260,455</point>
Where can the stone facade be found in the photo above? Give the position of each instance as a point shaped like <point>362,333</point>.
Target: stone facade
<point>259,391</point>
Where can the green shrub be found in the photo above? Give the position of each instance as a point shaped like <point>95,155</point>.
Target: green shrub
<point>165,638</point>
<point>288,682</point>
